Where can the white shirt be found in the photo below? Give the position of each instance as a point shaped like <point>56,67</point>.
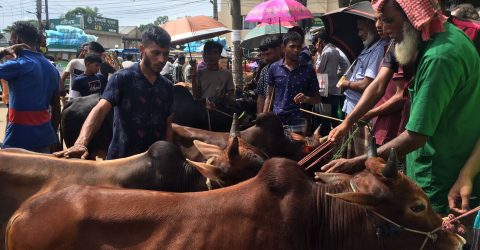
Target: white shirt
<point>127,64</point>
<point>75,67</point>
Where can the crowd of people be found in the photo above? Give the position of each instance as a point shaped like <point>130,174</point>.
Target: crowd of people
<point>415,87</point>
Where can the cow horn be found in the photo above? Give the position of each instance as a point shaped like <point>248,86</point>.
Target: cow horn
<point>390,169</point>
<point>234,130</point>
<point>317,131</point>
<point>372,147</point>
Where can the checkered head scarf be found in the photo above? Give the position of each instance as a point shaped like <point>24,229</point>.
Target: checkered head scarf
<point>425,15</point>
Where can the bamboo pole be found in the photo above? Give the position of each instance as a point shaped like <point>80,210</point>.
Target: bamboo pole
<point>319,115</point>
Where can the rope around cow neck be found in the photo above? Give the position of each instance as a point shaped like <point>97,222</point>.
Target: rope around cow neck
<point>432,235</point>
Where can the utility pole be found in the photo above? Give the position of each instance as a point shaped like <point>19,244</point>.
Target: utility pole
<point>39,14</point>
<point>237,51</point>
<point>47,21</point>
<point>215,9</point>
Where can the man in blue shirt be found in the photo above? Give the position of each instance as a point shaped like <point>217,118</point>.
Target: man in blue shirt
<point>367,64</point>
<point>142,100</point>
<point>90,82</point>
<point>291,82</point>
<point>366,69</point>
<point>33,84</point>
<point>270,48</point>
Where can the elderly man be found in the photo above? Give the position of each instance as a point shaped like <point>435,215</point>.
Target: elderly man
<point>443,125</point>
<point>366,69</point>
<point>367,64</point>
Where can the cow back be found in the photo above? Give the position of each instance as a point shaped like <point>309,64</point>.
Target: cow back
<point>74,115</point>
<point>271,211</point>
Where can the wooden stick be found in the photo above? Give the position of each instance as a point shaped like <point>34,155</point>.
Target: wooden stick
<point>319,115</point>
<point>209,122</point>
<point>314,153</point>
<point>319,159</point>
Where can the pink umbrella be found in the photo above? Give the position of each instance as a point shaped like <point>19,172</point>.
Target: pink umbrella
<point>275,11</point>
<point>283,24</point>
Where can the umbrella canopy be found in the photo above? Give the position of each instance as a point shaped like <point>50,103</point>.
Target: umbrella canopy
<point>189,29</point>
<point>274,11</point>
<point>284,24</point>
<point>253,38</point>
<point>341,26</point>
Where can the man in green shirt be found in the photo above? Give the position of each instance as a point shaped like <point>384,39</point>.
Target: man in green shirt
<point>444,122</point>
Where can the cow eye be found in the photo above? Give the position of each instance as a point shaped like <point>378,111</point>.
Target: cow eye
<point>417,208</point>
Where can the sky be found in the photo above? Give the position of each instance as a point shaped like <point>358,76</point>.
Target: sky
<point>128,12</point>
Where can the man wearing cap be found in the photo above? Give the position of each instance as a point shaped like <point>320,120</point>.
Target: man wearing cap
<point>444,125</point>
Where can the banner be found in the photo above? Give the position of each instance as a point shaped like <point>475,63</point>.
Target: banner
<point>74,22</point>
<point>101,24</point>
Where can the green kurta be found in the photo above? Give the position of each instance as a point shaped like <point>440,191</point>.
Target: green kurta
<point>446,108</point>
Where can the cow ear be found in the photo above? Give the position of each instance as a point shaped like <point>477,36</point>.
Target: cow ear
<point>208,150</point>
<point>361,199</point>
<point>296,137</point>
<point>233,149</point>
<point>206,169</point>
<point>332,178</point>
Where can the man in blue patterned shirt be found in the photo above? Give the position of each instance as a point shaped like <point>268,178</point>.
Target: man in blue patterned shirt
<point>292,82</point>
<point>270,48</point>
<point>142,100</point>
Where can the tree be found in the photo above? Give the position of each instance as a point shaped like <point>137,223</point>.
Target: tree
<point>87,11</point>
<point>160,20</point>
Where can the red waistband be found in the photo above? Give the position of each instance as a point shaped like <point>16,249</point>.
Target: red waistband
<point>30,118</point>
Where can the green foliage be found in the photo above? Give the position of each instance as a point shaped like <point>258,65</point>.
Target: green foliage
<point>87,11</point>
<point>160,20</point>
<point>144,27</point>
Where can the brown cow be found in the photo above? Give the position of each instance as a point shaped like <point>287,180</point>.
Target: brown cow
<point>280,208</point>
<point>162,167</point>
<point>267,135</point>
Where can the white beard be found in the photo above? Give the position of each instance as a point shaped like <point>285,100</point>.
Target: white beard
<point>369,40</point>
<point>406,50</point>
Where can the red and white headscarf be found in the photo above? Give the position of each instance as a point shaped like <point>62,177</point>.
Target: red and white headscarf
<point>425,15</point>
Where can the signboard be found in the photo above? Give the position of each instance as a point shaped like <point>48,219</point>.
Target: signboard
<point>75,22</point>
<point>101,24</point>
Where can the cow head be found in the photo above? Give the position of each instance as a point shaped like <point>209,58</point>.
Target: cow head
<point>384,190</point>
<point>269,136</point>
<point>236,162</point>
